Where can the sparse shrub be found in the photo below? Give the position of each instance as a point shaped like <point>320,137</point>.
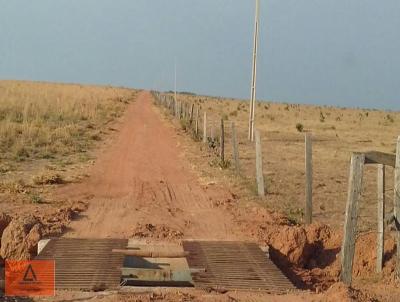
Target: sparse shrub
<point>321,117</point>
<point>216,162</point>
<point>196,137</point>
<point>48,178</point>
<point>184,124</point>
<point>225,164</point>
<point>4,168</point>
<point>295,216</point>
<point>212,142</point>
<point>225,117</point>
<point>299,127</point>
<point>21,153</point>
<point>95,137</point>
<point>13,186</point>
<point>389,118</point>
<point>234,113</point>
<point>37,199</point>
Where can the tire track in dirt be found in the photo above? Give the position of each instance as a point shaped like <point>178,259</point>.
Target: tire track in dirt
<point>142,179</point>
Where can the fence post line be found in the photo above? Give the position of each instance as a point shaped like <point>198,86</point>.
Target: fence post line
<point>205,127</point>
<point>350,225</point>
<point>235,149</point>
<point>259,166</point>
<point>396,206</point>
<point>309,177</point>
<point>222,142</point>
<point>380,246</point>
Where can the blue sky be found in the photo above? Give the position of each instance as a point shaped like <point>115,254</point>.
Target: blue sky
<point>336,52</point>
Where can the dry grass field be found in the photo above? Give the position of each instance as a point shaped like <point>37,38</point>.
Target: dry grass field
<point>336,133</point>
<point>45,127</point>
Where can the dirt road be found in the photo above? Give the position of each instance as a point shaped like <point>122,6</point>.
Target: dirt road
<point>142,185</point>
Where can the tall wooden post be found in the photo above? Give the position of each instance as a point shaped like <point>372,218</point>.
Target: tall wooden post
<point>235,149</point>
<point>381,218</point>
<point>397,206</point>
<point>309,178</point>
<point>205,127</point>
<point>222,142</point>
<point>350,225</point>
<point>259,166</point>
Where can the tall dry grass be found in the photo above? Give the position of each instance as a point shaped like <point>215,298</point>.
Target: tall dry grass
<point>43,120</point>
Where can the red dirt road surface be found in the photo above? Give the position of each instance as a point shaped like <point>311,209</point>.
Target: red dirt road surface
<point>142,187</point>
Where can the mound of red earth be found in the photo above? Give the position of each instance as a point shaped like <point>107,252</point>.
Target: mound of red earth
<point>4,222</point>
<point>310,255</point>
<point>20,238</point>
<point>161,231</point>
<point>20,235</point>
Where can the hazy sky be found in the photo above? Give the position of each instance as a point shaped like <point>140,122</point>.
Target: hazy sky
<point>339,52</point>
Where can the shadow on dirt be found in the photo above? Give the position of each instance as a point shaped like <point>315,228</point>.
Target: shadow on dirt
<point>301,275</point>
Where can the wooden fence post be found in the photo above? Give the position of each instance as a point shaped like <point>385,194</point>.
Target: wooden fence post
<point>309,178</point>
<point>186,111</point>
<point>396,208</point>
<point>350,225</point>
<point>222,142</point>
<point>191,114</point>
<point>380,247</point>
<point>259,166</point>
<point>235,149</point>
<point>197,121</point>
<point>205,127</point>
<point>212,130</point>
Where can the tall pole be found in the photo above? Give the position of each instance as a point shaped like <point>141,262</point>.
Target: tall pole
<point>254,74</point>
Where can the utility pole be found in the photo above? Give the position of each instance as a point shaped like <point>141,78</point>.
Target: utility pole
<point>254,75</point>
